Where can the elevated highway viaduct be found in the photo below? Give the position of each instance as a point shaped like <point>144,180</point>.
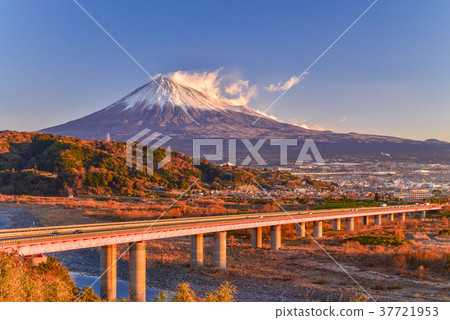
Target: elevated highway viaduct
<point>36,241</point>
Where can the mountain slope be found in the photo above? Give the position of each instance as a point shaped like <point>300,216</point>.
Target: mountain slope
<point>184,113</point>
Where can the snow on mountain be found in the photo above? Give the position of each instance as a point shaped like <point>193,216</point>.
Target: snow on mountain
<point>165,92</point>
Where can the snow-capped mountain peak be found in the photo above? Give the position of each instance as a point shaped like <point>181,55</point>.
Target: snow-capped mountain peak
<point>167,93</point>
<point>164,92</point>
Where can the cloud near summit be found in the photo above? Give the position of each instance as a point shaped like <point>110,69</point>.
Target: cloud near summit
<point>236,93</point>
<point>210,84</point>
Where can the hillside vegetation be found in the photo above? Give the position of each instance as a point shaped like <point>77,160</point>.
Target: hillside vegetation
<point>49,281</point>
<point>43,164</point>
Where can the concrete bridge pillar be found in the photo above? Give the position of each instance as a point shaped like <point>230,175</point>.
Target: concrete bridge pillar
<point>366,220</point>
<point>336,224</point>
<point>300,229</point>
<point>402,217</point>
<point>108,272</point>
<point>378,220</point>
<point>136,278</point>
<point>257,237</point>
<point>317,229</point>
<point>350,224</point>
<point>275,238</point>
<point>390,217</point>
<point>411,215</point>
<point>423,214</point>
<point>220,250</point>
<point>196,250</point>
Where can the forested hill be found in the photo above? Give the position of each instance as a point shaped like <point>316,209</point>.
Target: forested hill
<point>43,164</point>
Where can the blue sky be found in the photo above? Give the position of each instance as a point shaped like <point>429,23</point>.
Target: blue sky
<point>388,75</point>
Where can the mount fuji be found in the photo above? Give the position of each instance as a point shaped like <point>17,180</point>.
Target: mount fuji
<point>175,109</point>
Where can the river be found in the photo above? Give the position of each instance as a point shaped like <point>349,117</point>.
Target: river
<point>2,222</point>
<point>122,286</point>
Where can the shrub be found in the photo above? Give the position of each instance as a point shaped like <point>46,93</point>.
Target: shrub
<point>395,287</point>
<point>224,294</point>
<point>444,232</point>
<point>361,298</point>
<point>379,285</point>
<point>87,295</point>
<point>447,262</point>
<point>161,297</point>
<point>184,293</point>
<point>394,240</point>
<point>400,264</point>
<point>321,281</point>
<point>353,247</point>
<point>421,272</point>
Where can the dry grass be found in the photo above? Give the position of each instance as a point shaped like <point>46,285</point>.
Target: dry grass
<point>432,257</point>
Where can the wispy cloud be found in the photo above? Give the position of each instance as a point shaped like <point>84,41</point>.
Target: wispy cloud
<point>302,124</point>
<point>344,119</point>
<point>286,85</point>
<point>314,127</point>
<point>271,116</point>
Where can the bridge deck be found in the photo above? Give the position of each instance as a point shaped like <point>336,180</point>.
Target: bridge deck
<point>62,238</point>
